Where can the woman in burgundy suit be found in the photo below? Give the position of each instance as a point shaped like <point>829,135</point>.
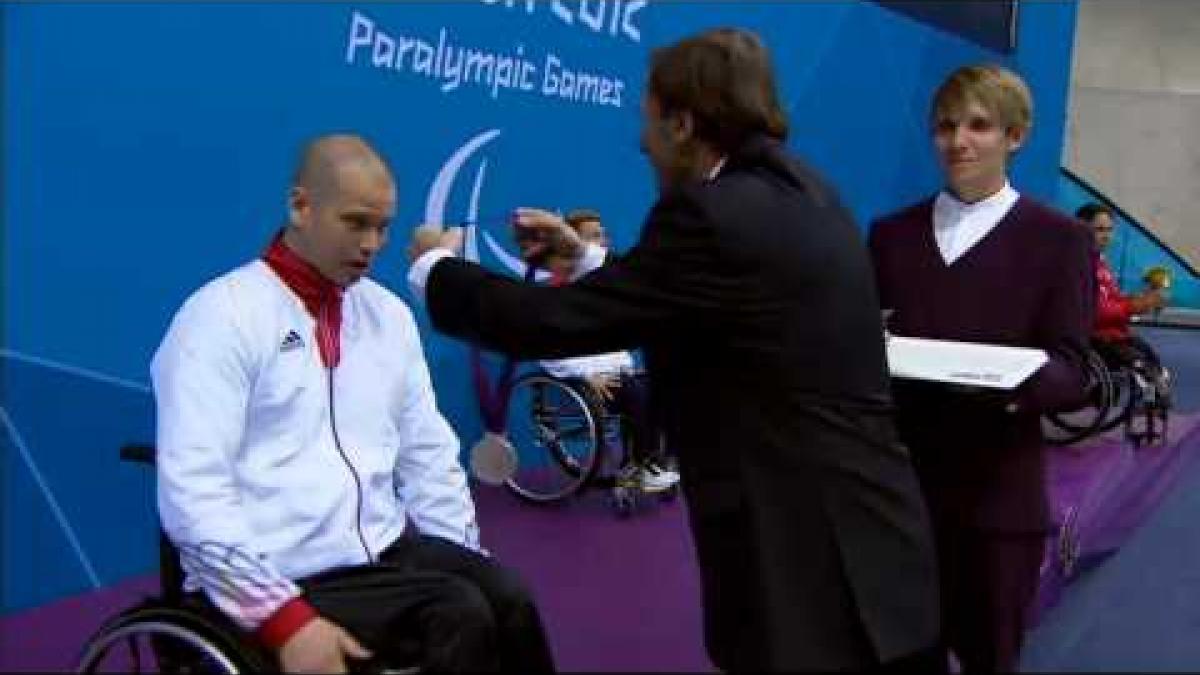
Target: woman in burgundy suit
<point>978,262</point>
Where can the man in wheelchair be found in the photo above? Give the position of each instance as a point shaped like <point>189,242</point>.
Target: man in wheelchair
<point>1112,338</point>
<point>614,382</point>
<point>305,474</point>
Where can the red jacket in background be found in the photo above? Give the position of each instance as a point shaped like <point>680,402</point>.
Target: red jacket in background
<point>1113,309</point>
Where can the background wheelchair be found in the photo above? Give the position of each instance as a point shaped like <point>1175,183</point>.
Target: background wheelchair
<point>1122,391</point>
<point>566,441</point>
<point>177,632</point>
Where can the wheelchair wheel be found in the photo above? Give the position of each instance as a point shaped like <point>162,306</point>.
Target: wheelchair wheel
<point>156,638</point>
<point>556,431</point>
<point>1065,428</point>
<point>1125,399</point>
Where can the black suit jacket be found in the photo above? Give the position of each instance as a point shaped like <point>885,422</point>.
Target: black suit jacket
<point>753,298</point>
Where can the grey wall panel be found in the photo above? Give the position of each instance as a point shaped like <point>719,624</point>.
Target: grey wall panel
<point>1133,125</point>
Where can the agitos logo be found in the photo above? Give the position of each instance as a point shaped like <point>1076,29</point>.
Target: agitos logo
<point>439,194</point>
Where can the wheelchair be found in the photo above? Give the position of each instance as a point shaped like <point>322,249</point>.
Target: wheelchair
<point>1149,400</point>
<point>566,441</point>
<point>177,632</point>
<point>1128,390</point>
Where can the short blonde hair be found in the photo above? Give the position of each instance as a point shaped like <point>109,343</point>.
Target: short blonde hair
<point>999,90</point>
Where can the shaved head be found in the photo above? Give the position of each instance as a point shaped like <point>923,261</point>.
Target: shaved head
<point>342,199</point>
<point>326,159</point>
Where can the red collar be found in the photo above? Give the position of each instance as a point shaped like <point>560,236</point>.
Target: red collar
<point>321,297</point>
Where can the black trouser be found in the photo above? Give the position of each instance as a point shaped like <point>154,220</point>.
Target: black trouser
<point>631,400</point>
<point>988,581</point>
<point>467,613</point>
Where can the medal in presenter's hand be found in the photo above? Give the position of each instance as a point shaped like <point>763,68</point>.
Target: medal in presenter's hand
<point>493,458</point>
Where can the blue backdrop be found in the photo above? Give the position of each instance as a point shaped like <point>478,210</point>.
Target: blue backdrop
<point>148,148</point>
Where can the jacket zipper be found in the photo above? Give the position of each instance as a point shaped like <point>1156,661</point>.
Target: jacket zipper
<point>358,494</point>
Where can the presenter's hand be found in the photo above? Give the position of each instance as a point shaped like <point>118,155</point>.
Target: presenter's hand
<point>428,237</point>
<point>604,384</point>
<point>540,233</point>
<point>320,647</point>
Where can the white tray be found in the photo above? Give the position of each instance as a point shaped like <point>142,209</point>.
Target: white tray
<point>969,363</point>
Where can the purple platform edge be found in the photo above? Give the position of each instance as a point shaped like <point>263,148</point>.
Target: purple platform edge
<point>623,595</point>
<point>1112,489</point>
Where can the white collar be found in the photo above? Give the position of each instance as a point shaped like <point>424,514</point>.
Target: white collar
<point>947,201</point>
<point>958,226</point>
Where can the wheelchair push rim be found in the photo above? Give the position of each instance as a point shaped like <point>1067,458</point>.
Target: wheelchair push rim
<point>144,632</point>
<point>556,432</point>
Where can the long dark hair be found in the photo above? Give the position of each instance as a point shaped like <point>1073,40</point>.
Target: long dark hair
<point>723,77</point>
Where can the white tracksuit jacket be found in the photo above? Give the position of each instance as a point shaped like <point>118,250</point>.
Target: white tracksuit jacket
<point>270,466</point>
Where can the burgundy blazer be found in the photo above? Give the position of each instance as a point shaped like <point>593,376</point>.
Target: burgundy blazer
<point>1027,283</point>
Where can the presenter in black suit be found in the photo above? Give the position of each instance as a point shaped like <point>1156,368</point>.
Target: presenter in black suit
<point>752,294</point>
